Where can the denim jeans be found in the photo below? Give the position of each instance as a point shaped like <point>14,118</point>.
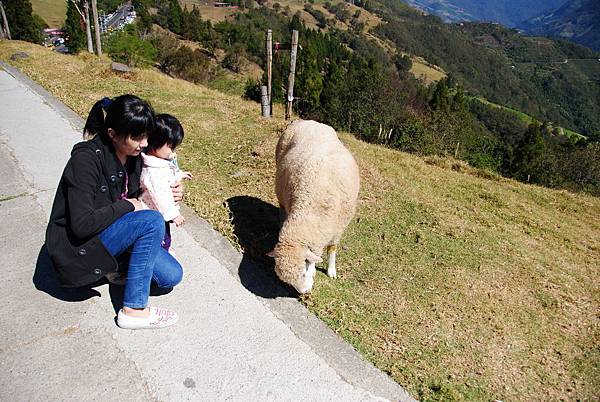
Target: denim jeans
<point>143,232</point>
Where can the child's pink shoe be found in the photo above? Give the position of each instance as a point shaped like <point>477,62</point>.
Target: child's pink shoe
<point>158,318</point>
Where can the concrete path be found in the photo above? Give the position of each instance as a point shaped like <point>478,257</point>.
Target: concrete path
<point>230,343</point>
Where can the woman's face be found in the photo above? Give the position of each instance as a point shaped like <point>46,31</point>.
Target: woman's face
<point>128,146</point>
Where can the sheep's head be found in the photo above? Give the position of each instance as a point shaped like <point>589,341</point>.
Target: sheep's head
<point>295,265</point>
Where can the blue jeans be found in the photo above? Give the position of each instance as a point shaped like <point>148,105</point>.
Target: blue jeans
<point>144,230</point>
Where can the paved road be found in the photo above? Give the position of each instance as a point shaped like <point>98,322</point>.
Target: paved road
<point>230,343</point>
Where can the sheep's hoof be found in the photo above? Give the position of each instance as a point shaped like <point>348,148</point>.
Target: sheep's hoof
<point>331,273</point>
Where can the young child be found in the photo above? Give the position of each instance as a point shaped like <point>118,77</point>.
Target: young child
<point>160,170</point>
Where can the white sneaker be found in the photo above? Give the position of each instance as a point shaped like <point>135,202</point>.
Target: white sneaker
<point>158,318</point>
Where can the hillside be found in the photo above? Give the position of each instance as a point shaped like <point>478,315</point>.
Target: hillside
<point>577,20</point>
<point>457,283</point>
<point>482,58</point>
<point>53,12</point>
<point>507,12</point>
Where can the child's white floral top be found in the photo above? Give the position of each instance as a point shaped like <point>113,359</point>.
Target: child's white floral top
<point>156,179</point>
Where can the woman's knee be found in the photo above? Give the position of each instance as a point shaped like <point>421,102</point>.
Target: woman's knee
<point>167,270</point>
<point>154,220</point>
<point>170,279</point>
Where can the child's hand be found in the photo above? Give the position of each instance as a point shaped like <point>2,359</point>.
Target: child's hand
<point>180,220</point>
<point>187,175</point>
<point>137,204</point>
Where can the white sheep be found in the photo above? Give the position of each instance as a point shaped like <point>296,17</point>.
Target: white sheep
<point>317,187</point>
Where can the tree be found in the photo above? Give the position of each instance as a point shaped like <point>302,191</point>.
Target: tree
<point>75,36</point>
<point>21,21</point>
<point>529,155</point>
<point>309,82</point>
<point>440,97</point>
<point>127,47</point>
<point>175,17</point>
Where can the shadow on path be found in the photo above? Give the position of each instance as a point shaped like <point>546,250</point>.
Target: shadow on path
<point>44,279</point>
<point>256,225</point>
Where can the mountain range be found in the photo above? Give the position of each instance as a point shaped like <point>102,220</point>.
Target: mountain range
<point>576,20</point>
<point>509,13</point>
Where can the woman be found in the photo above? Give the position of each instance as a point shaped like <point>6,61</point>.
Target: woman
<point>96,215</point>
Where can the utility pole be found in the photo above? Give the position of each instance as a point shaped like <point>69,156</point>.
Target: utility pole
<point>269,47</point>
<point>96,28</point>
<point>6,30</point>
<point>290,92</point>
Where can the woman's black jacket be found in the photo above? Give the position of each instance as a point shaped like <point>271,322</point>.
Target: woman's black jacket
<point>87,202</point>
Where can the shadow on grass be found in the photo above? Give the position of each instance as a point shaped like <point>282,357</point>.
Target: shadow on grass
<point>256,225</point>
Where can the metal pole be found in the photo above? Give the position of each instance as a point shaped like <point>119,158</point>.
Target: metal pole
<point>290,92</point>
<point>6,28</point>
<point>264,101</point>
<point>269,46</point>
<point>96,27</point>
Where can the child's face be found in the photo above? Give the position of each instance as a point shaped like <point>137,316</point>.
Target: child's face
<point>163,152</point>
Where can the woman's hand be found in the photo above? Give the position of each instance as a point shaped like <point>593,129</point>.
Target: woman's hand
<point>137,204</point>
<point>177,189</point>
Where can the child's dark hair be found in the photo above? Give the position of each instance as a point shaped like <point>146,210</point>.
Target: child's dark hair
<point>168,131</point>
<point>127,115</point>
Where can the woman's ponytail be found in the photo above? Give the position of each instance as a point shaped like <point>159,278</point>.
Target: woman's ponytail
<point>94,124</point>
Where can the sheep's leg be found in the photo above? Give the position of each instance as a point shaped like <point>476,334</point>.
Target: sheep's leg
<point>331,272</point>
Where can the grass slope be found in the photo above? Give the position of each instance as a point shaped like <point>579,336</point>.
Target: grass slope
<point>458,284</point>
<point>54,12</point>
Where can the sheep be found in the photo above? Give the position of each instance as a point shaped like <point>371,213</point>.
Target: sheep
<point>316,184</point>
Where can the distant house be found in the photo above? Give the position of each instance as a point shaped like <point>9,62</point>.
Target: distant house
<point>53,32</point>
<point>224,4</point>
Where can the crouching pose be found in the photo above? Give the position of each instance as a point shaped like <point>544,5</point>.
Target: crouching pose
<point>97,217</point>
<point>317,185</point>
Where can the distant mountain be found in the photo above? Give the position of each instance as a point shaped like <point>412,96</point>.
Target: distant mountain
<point>507,12</point>
<point>577,20</point>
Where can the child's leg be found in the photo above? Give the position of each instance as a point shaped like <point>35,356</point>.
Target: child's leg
<point>166,243</point>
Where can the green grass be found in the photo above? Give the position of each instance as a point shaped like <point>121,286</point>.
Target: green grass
<point>528,119</point>
<point>54,12</point>
<point>459,284</point>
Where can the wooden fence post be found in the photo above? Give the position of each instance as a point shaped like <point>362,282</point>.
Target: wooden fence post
<point>264,101</point>
<point>6,28</point>
<point>269,47</point>
<point>290,92</point>
<point>96,27</point>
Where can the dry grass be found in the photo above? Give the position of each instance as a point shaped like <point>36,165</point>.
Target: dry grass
<point>54,12</point>
<point>424,71</point>
<point>459,284</point>
<point>208,11</point>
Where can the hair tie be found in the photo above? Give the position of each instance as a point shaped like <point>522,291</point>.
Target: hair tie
<point>105,103</point>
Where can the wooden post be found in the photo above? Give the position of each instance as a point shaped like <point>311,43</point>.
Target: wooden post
<point>96,28</point>
<point>88,28</point>
<point>5,21</point>
<point>264,101</point>
<point>290,92</point>
<point>269,47</point>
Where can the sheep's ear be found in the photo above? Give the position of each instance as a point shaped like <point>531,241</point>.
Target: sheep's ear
<point>271,253</point>
<point>312,257</point>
